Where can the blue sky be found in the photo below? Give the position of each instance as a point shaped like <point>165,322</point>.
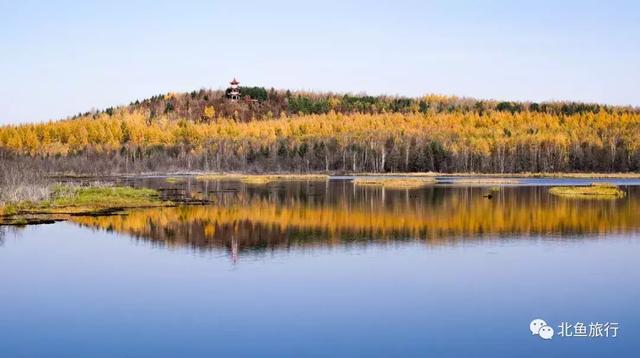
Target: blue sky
<point>58,58</point>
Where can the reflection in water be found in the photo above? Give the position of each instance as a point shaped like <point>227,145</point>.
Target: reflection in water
<point>245,218</point>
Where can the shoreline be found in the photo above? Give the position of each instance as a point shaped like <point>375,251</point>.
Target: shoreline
<point>68,201</point>
<point>316,175</point>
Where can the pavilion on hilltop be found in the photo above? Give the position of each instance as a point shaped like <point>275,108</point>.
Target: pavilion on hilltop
<point>234,90</point>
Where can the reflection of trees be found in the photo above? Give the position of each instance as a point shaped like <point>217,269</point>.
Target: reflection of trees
<point>5,230</point>
<point>285,217</point>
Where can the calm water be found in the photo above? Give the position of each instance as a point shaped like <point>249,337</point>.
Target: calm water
<point>326,269</point>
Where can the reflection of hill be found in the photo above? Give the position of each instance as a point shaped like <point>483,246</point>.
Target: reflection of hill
<point>261,220</point>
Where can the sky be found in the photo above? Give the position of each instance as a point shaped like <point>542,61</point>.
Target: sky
<point>59,58</point>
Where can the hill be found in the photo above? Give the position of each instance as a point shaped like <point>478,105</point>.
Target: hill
<point>262,103</point>
<point>275,130</point>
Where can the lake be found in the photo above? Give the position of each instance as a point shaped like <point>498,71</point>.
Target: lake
<point>314,268</point>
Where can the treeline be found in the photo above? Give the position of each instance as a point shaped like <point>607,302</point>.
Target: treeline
<point>128,140</point>
<point>260,103</point>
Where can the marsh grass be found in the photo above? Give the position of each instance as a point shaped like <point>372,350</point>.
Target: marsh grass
<point>219,176</point>
<point>103,197</point>
<point>594,191</point>
<point>485,181</point>
<point>175,180</point>
<point>77,200</point>
<point>261,179</point>
<point>394,183</point>
<point>256,180</point>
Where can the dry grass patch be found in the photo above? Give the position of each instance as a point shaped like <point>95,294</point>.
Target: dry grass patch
<point>219,176</point>
<point>175,180</point>
<point>263,178</point>
<point>394,183</point>
<point>629,175</point>
<point>485,181</point>
<point>594,191</point>
<point>256,180</point>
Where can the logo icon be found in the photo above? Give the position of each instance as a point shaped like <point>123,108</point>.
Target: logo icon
<point>539,327</point>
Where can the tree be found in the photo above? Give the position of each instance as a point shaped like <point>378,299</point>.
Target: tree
<point>209,112</point>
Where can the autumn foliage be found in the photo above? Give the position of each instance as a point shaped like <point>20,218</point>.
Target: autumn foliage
<point>424,134</point>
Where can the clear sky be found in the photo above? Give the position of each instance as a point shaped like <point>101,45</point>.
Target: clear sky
<point>58,58</point>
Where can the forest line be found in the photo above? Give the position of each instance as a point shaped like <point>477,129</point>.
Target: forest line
<point>134,138</point>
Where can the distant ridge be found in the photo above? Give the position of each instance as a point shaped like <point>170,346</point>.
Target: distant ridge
<point>262,103</point>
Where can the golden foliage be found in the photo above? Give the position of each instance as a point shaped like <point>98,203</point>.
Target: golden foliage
<point>467,135</point>
<point>209,112</point>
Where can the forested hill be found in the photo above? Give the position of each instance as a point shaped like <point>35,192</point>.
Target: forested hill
<point>262,103</point>
<point>269,130</point>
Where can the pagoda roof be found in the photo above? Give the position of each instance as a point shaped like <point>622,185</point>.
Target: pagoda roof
<point>234,82</point>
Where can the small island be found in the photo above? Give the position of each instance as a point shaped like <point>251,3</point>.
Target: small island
<point>593,191</point>
<point>261,178</point>
<point>394,183</point>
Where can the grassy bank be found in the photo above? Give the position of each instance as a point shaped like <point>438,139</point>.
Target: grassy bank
<point>594,191</point>
<point>68,200</point>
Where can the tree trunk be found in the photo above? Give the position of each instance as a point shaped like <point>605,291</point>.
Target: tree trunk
<point>355,168</point>
<point>326,162</point>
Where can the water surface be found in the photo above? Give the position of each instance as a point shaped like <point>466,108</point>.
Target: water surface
<point>325,269</point>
